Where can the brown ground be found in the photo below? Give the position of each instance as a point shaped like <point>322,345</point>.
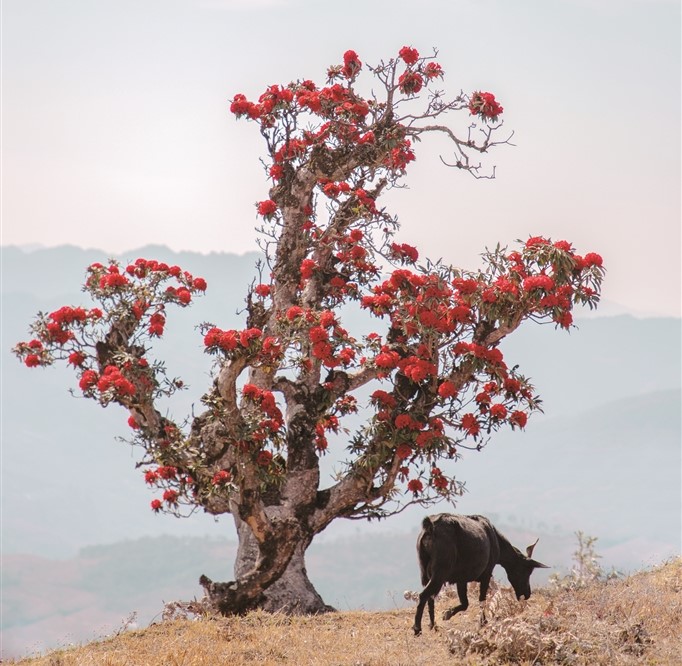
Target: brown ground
<point>637,620</point>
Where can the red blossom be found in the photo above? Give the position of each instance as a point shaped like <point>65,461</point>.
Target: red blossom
<point>433,70</point>
<point>538,282</point>
<point>171,496</point>
<point>593,259</point>
<point>267,208</point>
<point>199,284</point>
<point>415,486</point>
<point>498,411</point>
<point>403,451</point>
<point>565,319</point>
<point>262,290</point>
<point>485,105</point>
<point>447,390</point>
<point>32,360</point>
<point>410,83</point>
<point>156,505</point>
<point>88,380</point>
<point>518,418</point>
<point>264,458</point>
<point>470,424</point>
<point>222,477</point>
<point>133,423</point>
<point>351,64</point>
<point>409,55</point>
<point>294,312</point>
<point>308,267</point>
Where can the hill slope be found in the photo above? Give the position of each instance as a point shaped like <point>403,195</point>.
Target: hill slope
<point>632,621</point>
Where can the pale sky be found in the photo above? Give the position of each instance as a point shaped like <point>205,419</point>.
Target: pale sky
<point>116,131</point>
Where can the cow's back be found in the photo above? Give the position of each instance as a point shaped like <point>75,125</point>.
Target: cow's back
<point>457,548</point>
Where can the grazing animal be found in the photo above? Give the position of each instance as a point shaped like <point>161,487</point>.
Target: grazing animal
<point>459,549</point>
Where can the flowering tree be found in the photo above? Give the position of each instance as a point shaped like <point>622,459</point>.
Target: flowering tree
<point>285,382</point>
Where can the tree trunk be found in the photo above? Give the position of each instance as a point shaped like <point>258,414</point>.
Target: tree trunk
<point>293,593</point>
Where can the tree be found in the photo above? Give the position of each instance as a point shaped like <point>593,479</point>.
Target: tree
<point>284,384</point>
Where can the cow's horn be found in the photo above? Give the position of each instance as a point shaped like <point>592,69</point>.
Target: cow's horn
<point>529,550</point>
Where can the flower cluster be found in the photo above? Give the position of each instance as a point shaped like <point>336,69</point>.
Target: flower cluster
<point>484,105</point>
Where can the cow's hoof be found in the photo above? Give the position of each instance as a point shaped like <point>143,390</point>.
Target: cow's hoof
<point>447,615</point>
<point>417,631</point>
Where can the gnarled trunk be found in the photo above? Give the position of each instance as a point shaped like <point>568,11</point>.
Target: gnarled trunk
<point>291,592</point>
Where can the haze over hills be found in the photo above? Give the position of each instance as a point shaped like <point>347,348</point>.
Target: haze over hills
<point>604,458</point>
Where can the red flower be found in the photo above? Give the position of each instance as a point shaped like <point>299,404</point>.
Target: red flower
<point>470,424</point>
<point>403,421</point>
<point>465,286</point>
<point>351,64</point>
<point>32,360</point>
<point>484,104</point>
<point>183,295</point>
<point>262,290</point>
<point>294,312</point>
<point>538,282</point>
<point>447,390</point>
<point>440,482</point>
<point>171,496</point>
<point>518,418</point>
<point>592,259</point>
<point>535,240</point>
<point>133,423</point>
<point>264,458</point>
<point>405,252</point>
<point>267,208</point>
<point>88,380</point>
<point>563,245</point>
<point>403,451</point>
<point>308,266</point>
<point>433,70</point>
<point>249,334</point>
<point>150,476</point>
<point>565,319</point>
<point>221,477</point>
<point>251,391</point>
<point>498,411</point>
<point>76,358</point>
<point>409,55</point>
<point>212,337</point>
<point>415,486</point>
<point>199,284</point>
<point>156,505</point>
<point>410,83</point>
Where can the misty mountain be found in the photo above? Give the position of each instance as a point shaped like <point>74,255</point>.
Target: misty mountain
<point>604,458</point>
<point>611,413</point>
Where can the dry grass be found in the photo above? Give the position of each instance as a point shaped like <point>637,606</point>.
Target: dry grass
<point>637,620</point>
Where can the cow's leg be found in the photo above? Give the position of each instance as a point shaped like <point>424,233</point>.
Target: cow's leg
<point>482,595</point>
<point>427,595</point>
<point>432,612</point>
<point>463,601</point>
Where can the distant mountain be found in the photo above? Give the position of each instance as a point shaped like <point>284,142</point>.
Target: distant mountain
<point>604,458</point>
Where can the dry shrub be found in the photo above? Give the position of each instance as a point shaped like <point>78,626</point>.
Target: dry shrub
<point>606,622</point>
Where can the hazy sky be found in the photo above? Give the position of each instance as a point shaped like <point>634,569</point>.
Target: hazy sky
<point>116,131</point>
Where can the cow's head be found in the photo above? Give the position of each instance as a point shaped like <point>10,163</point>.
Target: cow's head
<point>519,571</point>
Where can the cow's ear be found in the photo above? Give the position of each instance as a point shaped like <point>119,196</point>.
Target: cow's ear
<point>539,565</point>
<point>529,550</point>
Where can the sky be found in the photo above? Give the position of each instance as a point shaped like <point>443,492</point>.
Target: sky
<point>116,131</point>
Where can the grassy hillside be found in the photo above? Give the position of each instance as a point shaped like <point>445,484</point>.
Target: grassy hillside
<point>631,621</point>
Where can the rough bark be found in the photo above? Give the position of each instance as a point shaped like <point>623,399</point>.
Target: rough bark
<point>293,592</point>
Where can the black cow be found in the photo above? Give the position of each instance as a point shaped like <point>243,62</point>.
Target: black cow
<point>459,549</point>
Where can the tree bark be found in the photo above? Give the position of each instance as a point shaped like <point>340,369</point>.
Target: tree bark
<point>292,593</point>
